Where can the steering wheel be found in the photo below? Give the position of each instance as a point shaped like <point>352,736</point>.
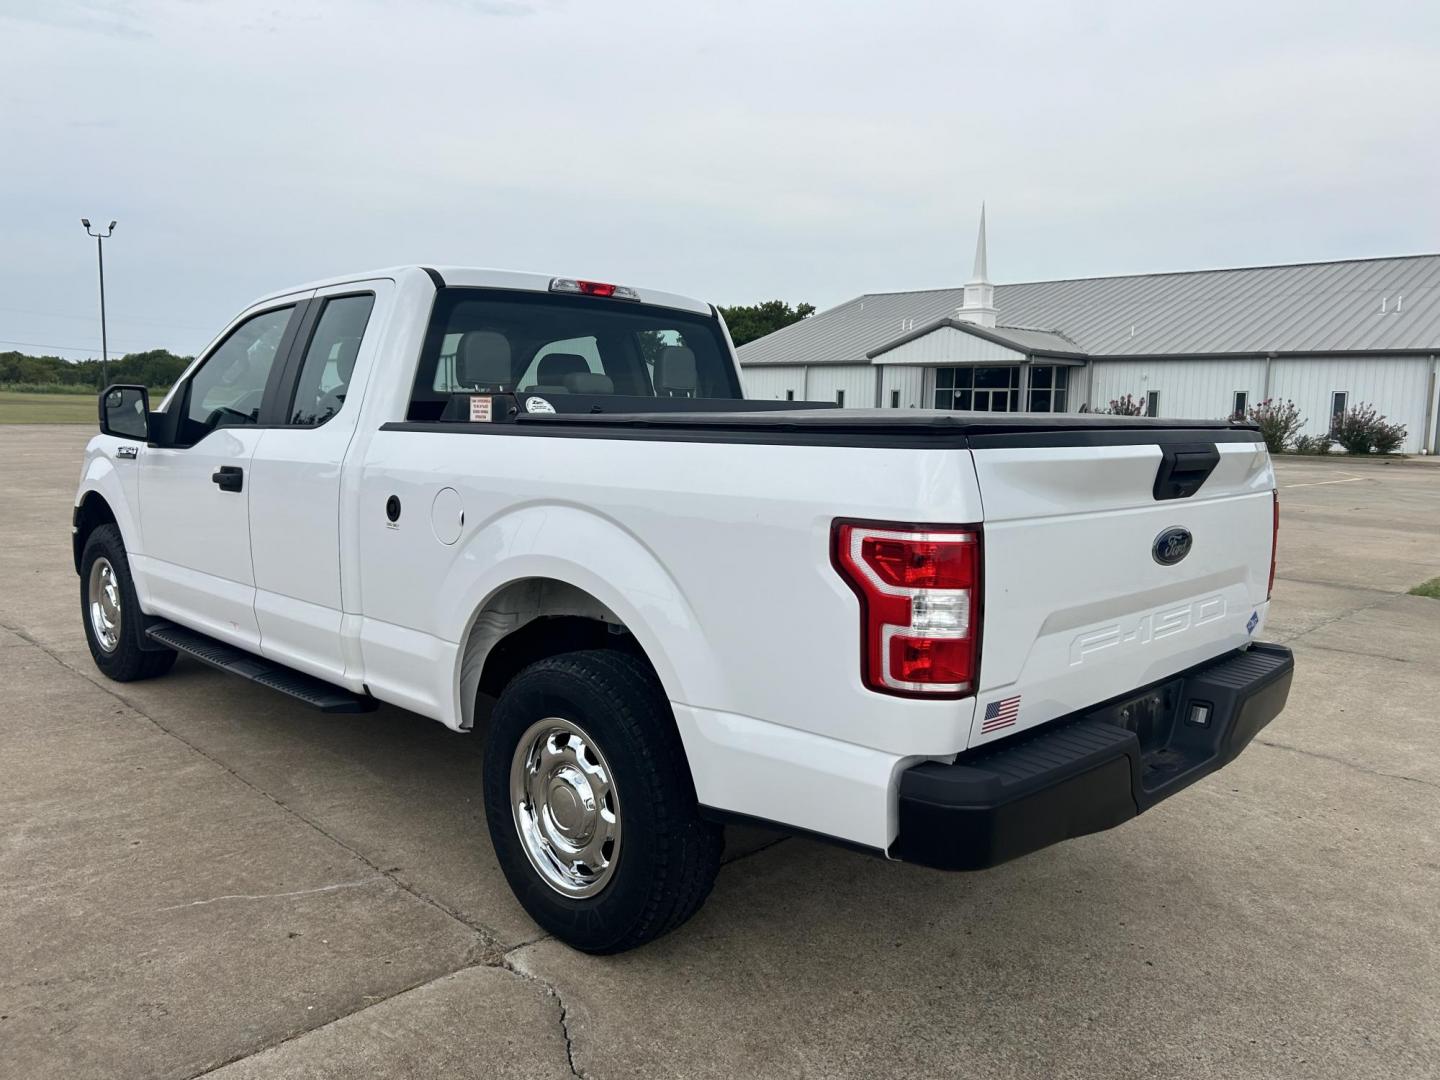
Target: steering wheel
<point>241,411</point>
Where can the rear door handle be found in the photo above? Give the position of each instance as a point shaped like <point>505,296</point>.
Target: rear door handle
<point>229,477</point>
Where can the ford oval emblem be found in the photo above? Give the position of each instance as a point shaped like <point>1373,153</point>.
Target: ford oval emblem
<point>1171,546</point>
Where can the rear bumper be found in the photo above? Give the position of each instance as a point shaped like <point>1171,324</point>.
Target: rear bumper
<point>1090,771</point>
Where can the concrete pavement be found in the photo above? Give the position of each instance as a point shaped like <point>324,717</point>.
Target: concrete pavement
<point>195,873</point>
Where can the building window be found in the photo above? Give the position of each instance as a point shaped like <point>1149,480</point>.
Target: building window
<point>840,398</point>
<point>1240,405</point>
<point>1339,403</point>
<point>789,395</point>
<point>894,399</point>
<point>981,389</point>
<point>1049,388</point>
<point>1152,403</point>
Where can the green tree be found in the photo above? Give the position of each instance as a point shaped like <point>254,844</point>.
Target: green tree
<point>1126,405</point>
<point>157,367</point>
<point>1280,422</point>
<point>750,321</point>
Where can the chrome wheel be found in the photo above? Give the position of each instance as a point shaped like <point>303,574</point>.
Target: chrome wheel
<point>566,808</point>
<point>104,598</point>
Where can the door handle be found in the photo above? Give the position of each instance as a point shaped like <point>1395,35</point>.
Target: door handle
<point>229,477</point>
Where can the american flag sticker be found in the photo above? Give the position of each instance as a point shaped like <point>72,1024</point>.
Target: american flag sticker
<point>1000,714</point>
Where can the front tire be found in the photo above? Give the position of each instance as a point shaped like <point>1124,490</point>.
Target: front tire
<point>590,804</point>
<point>111,612</point>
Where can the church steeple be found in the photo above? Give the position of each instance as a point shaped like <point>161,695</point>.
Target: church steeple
<point>979,304</point>
<point>981,271</point>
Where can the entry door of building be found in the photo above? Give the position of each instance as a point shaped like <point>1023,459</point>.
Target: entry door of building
<point>992,401</point>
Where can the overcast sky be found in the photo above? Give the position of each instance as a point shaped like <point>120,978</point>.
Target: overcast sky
<point>735,151</point>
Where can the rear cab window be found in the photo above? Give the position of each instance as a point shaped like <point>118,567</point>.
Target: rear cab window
<point>329,361</point>
<point>503,341</point>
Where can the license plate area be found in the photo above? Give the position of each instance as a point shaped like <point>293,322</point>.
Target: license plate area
<point>1151,715</point>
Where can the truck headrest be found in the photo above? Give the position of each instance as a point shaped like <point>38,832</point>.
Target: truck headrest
<point>483,359</point>
<point>349,349</point>
<point>675,373</point>
<point>587,382</point>
<point>557,365</point>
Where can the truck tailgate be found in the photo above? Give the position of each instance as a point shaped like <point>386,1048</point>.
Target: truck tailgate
<point>1084,599</point>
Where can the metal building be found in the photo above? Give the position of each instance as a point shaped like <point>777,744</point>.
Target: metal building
<point>1200,345</point>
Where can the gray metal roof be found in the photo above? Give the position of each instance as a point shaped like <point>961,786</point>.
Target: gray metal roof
<point>1307,307</point>
<point>1024,338</point>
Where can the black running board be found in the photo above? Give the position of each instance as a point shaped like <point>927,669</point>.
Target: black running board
<point>317,693</point>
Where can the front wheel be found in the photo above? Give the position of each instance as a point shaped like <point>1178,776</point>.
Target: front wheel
<point>111,612</point>
<point>590,804</point>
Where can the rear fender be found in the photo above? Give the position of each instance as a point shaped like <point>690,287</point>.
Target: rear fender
<point>596,555</point>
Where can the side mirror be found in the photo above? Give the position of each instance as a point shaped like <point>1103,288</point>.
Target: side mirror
<point>125,412</point>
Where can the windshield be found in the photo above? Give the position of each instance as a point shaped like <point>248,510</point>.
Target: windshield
<point>495,340</point>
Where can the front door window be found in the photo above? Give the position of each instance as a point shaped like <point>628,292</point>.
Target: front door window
<point>228,388</point>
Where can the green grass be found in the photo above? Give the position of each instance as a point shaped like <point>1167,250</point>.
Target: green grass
<point>1430,588</point>
<point>29,408</point>
<point>48,388</point>
<point>30,403</point>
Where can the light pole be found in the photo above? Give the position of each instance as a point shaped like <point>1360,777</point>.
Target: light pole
<point>100,239</point>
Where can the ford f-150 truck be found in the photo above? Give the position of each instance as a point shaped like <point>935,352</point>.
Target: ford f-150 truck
<point>542,509</point>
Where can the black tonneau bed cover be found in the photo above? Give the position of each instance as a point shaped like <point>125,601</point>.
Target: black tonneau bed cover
<point>820,423</point>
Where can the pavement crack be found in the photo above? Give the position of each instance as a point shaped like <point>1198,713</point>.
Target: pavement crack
<point>295,1036</point>
<point>276,895</point>
<point>753,851</point>
<point>550,988</point>
<point>1347,763</point>
<point>1338,585</point>
<point>569,1042</point>
<point>1384,599</point>
<point>1358,652</point>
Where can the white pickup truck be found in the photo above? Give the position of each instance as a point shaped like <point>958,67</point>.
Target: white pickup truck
<point>541,508</point>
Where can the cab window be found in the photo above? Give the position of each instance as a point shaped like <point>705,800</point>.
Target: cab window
<point>229,386</point>
<point>502,341</point>
<point>329,363</point>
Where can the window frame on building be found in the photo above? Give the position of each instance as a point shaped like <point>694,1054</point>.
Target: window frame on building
<point>1053,392</point>
<point>965,398</point>
<point>1337,415</point>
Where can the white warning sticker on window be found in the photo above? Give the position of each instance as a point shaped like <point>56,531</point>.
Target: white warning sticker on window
<point>480,408</point>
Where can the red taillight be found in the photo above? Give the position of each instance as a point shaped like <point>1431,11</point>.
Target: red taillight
<point>1274,542</point>
<point>919,590</point>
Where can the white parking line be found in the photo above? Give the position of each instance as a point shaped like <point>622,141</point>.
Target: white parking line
<point>1322,483</point>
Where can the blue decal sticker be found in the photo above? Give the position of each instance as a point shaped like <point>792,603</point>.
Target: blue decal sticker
<point>1254,622</point>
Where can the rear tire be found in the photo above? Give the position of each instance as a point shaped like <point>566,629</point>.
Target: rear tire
<point>114,626</point>
<point>590,804</point>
